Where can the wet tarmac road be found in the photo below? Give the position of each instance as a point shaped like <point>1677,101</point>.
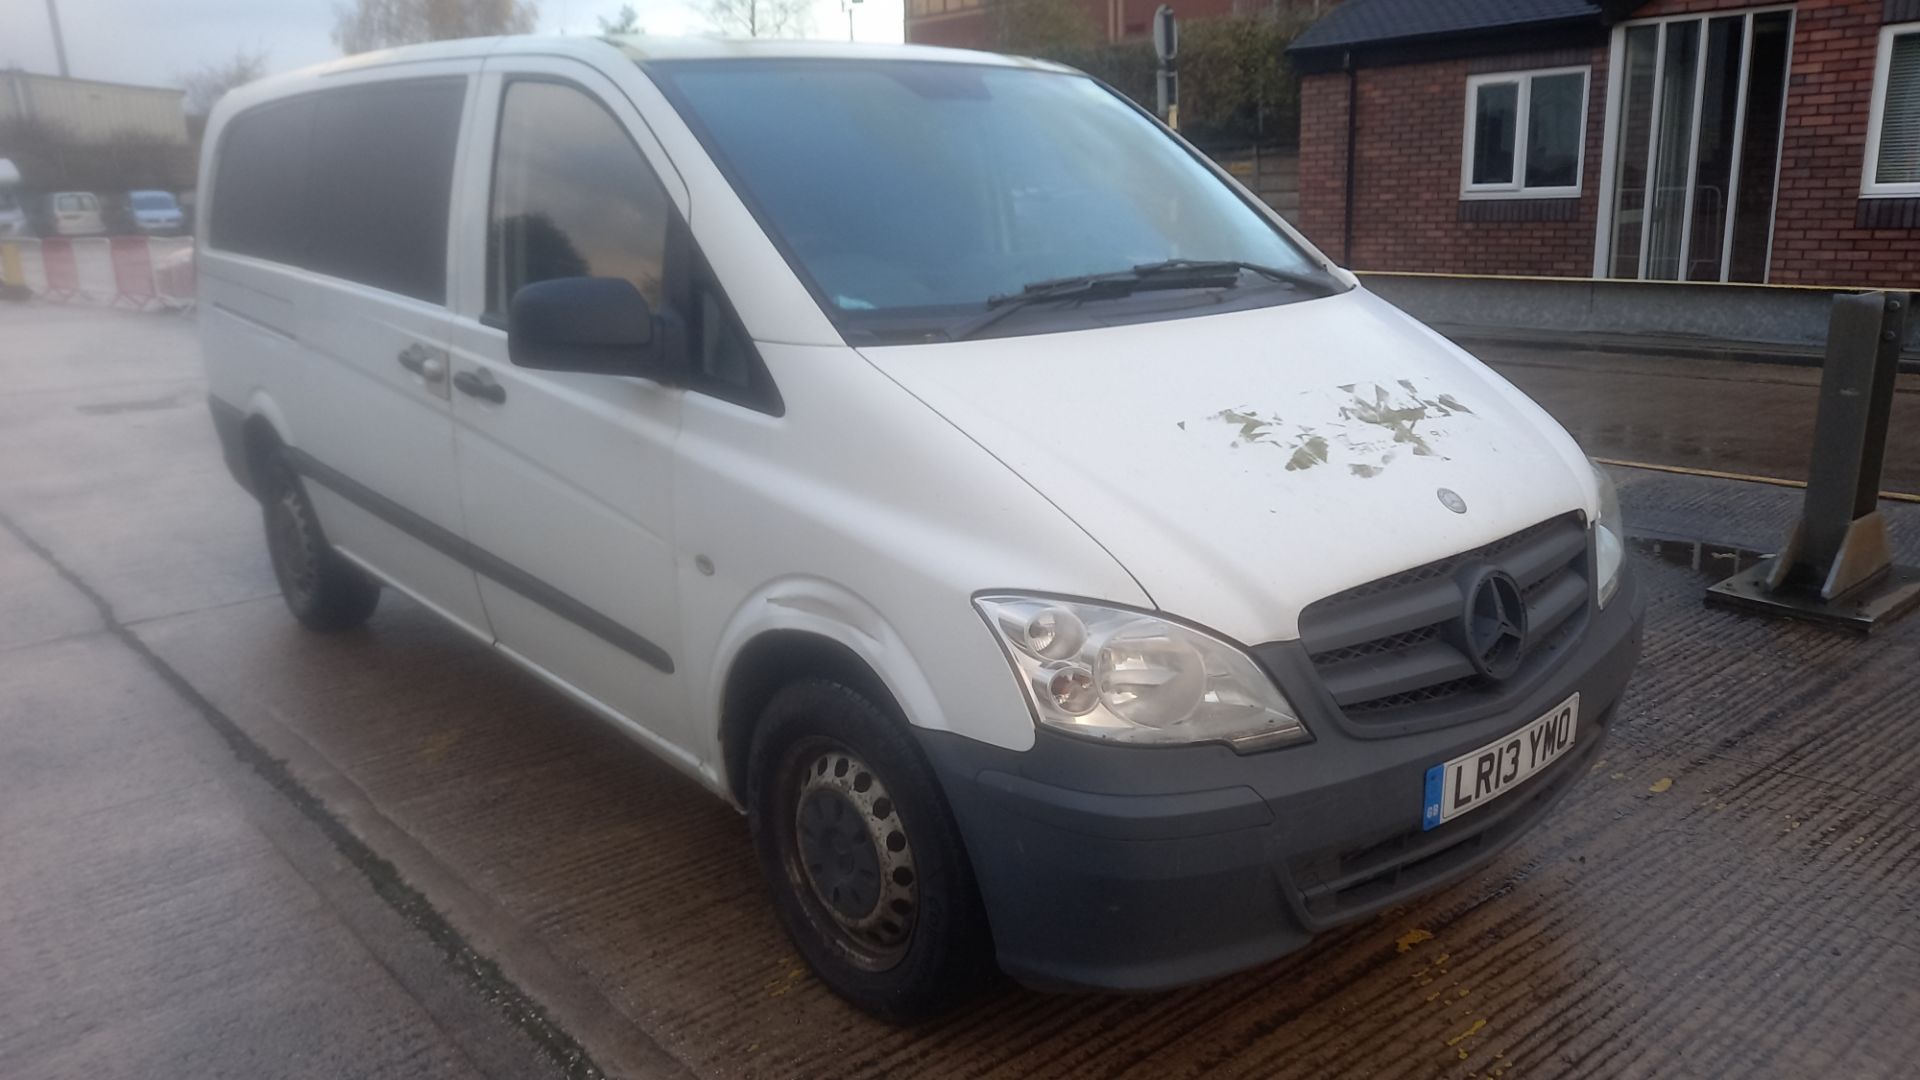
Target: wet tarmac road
<point>1721,415</point>
<point>1734,891</point>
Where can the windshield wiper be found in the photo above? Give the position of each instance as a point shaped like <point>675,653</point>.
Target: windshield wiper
<point>1166,274</point>
<point>1319,284</point>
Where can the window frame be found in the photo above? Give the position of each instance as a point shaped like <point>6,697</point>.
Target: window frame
<point>1517,188</point>
<point>298,260</point>
<point>508,79</point>
<point>686,275</point>
<point>1870,186</point>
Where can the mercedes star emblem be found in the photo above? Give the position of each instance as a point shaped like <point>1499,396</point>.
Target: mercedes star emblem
<point>1496,624</point>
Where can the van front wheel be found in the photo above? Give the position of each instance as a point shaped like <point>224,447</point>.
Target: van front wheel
<point>324,591</point>
<point>866,866</point>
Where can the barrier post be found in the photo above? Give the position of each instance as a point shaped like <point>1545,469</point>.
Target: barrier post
<point>1837,565</point>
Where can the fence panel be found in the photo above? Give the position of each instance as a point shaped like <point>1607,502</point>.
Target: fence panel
<point>132,271</point>
<point>93,265</point>
<point>173,269</point>
<point>63,276</point>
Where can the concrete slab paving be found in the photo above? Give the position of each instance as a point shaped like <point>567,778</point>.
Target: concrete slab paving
<point>1733,891</point>
<point>148,926</point>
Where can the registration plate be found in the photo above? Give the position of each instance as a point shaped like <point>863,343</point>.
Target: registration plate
<point>1478,777</point>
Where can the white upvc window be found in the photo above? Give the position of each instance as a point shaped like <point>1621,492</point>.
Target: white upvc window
<point>1526,134</point>
<point>1893,127</point>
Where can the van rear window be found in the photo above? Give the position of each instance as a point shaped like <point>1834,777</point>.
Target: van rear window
<point>354,183</point>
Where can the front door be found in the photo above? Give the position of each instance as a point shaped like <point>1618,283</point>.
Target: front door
<point>1694,132</point>
<point>566,479</point>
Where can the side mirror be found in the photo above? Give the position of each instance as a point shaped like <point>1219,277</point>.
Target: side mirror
<point>595,325</point>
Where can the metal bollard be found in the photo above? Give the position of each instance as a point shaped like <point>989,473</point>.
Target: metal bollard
<point>1837,565</point>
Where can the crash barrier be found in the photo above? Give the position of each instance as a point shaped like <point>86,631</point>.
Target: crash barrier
<point>140,272</point>
<point>1731,320</point>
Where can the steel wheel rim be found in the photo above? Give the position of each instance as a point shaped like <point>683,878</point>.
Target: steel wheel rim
<point>849,856</point>
<point>295,548</point>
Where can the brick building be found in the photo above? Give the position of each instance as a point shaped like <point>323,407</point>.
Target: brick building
<point>1696,140</point>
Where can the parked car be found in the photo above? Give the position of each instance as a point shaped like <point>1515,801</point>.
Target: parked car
<point>13,216</point>
<point>70,213</point>
<point>152,213</point>
<point>1058,559</point>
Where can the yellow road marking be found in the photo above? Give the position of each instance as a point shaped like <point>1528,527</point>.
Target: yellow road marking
<point>1564,280</point>
<point>1716,474</point>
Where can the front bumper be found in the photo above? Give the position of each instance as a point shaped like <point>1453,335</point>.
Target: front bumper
<point>1132,868</point>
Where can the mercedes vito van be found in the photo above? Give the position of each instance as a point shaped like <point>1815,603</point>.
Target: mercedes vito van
<point>1061,563</point>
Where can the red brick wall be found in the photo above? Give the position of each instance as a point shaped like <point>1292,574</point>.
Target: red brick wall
<point>1323,159</point>
<point>1408,178</point>
<point>1829,93</point>
<point>976,29</point>
<point>1412,120</point>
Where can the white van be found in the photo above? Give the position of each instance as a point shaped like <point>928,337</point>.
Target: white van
<point>1059,560</point>
<point>71,213</point>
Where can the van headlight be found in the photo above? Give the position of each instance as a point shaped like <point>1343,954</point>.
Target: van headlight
<point>1128,677</point>
<point>1609,537</point>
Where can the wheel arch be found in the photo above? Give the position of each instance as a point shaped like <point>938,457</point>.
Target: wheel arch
<point>809,629</point>
<point>261,433</point>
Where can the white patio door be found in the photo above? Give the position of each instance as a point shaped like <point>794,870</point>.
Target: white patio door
<point>1693,147</point>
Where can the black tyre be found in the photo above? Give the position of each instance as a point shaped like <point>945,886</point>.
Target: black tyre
<point>324,591</point>
<point>867,868</point>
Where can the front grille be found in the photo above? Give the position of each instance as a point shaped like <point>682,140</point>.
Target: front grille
<point>1390,651</point>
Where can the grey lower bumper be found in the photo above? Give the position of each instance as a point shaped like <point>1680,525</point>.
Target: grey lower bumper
<point>1128,868</point>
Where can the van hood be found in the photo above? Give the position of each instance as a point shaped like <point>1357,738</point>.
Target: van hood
<point>1244,465</point>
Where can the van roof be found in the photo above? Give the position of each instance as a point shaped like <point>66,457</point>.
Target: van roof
<point>645,47</point>
<point>648,47</point>
<point>639,48</point>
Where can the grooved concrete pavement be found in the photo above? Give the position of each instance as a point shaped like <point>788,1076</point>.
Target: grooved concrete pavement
<point>1734,891</point>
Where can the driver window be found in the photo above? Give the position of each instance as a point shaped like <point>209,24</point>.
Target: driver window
<point>572,197</point>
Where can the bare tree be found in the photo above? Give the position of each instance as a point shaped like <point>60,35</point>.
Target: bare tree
<point>364,25</point>
<point>208,84</point>
<point>627,22</point>
<point>759,18</point>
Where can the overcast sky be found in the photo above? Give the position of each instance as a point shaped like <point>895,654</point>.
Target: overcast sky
<point>155,42</point>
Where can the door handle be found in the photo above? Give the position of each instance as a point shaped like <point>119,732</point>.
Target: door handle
<point>423,362</point>
<point>479,384</point>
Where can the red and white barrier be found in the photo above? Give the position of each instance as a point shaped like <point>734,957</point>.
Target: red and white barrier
<point>93,266</point>
<point>172,261</point>
<point>63,274</point>
<point>138,271</point>
<point>133,282</point>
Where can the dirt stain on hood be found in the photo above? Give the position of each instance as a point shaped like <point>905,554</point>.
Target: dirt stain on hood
<point>1364,425</point>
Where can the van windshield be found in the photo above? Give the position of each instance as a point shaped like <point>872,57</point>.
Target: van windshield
<point>153,200</point>
<point>913,195</point>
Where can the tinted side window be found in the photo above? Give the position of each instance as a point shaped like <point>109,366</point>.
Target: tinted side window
<point>260,182</point>
<point>382,177</point>
<point>572,197</point>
